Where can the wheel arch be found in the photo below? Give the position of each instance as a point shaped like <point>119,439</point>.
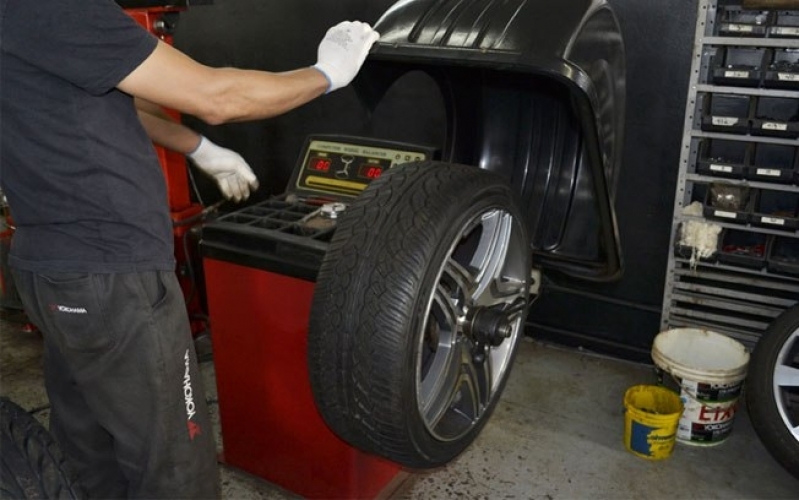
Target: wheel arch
<point>506,70</point>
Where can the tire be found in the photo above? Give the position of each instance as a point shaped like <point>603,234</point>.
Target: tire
<point>33,467</point>
<point>418,309</point>
<point>772,389</point>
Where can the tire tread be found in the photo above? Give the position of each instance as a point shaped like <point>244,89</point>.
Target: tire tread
<point>33,465</point>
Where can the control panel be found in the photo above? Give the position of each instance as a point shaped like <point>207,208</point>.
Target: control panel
<point>343,166</point>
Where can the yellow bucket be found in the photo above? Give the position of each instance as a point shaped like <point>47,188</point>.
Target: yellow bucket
<point>651,416</point>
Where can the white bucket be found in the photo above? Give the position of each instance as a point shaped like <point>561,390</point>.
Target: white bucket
<point>710,369</point>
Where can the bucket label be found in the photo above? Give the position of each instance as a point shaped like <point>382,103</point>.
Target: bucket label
<point>654,442</point>
<point>698,432</point>
<point>712,392</point>
<point>706,423</point>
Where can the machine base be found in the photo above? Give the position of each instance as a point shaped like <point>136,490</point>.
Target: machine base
<point>270,425</point>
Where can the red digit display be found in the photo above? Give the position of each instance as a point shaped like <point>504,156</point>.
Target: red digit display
<point>370,171</point>
<point>320,164</point>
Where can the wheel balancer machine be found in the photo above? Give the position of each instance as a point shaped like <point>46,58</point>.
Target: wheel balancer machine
<point>260,268</point>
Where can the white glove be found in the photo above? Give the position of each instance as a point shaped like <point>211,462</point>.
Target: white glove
<point>230,171</point>
<point>343,51</point>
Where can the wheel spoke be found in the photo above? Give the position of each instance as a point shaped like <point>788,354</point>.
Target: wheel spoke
<point>490,257</point>
<point>460,279</point>
<point>441,371</point>
<point>445,304</point>
<point>475,381</point>
<point>439,386</point>
<point>785,376</point>
<point>464,400</point>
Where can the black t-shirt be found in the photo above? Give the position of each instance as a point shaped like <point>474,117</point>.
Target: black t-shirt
<point>82,178</point>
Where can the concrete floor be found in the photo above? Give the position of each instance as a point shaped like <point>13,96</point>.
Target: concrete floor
<point>557,434</point>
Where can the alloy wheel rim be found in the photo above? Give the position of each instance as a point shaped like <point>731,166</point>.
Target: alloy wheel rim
<point>472,321</point>
<point>786,383</point>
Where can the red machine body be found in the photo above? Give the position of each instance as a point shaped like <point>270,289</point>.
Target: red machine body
<point>8,294</point>
<point>270,424</point>
<point>160,21</point>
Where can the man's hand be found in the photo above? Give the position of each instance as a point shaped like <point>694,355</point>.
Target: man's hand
<point>230,171</point>
<point>343,51</point>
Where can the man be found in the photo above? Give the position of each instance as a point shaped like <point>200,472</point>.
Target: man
<point>92,254</point>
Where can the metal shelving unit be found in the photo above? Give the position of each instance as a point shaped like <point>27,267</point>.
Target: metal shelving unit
<point>737,298</point>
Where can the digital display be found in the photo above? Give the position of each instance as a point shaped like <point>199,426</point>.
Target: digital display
<point>342,166</point>
<point>320,164</point>
<point>370,171</point>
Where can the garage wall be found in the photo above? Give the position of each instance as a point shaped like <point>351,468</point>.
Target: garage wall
<point>620,318</point>
<point>623,318</point>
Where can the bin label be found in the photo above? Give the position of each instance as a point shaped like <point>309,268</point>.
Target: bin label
<point>772,220</point>
<point>785,30</point>
<point>739,28</point>
<point>726,215</point>
<point>725,121</point>
<point>736,74</point>
<point>774,126</point>
<point>788,77</point>
<point>769,172</point>
<point>721,168</point>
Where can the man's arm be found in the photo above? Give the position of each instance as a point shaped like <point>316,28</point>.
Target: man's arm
<point>232,174</point>
<point>165,131</point>
<point>219,95</point>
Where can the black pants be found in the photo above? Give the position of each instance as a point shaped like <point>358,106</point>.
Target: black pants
<point>127,400</point>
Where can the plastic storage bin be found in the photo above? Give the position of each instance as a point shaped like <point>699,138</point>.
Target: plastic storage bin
<point>726,113</point>
<point>776,116</point>
<point>738,66</point>
<point>734,21</point>
<point>743,248</point>
<point>785,24</point>
<point>773,163</point>
<point>776,209</point>
<point>728,203</point>
<point>784,256</point>
<point>722,158</point>
<point>783,69</point>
